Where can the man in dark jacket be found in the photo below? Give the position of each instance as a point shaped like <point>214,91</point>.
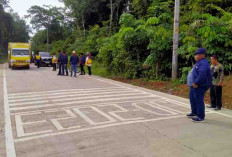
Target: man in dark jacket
<point>74,60</point>
<point>59,62</point>
<point>202,80</point>
<point>64,64</point>
<point>82,64</point>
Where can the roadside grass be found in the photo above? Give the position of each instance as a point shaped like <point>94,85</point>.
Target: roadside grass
<point>3,59</point>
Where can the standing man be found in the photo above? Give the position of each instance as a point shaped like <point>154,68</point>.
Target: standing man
<point>64,64</point>
<point>216,90</point>
<point>59,62</point>
<point>202,80</point>
<point>74,60</point>
<point>82,64</point>
<point>38,59</point>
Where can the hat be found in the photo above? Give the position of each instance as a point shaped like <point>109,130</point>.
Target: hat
<point>200,51</point>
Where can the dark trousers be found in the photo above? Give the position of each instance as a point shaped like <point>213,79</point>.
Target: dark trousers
<point>60,65</point>
<point>216,96</point>
<point>89,69</point>
<point>54,66</point>
<point>64,69</point>
<point>38,63</point>
<point>196,96</point>
<point>82,69</point>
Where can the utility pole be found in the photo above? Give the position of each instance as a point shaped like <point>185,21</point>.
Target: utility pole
<point>175,40</point>
<point>47,38</point>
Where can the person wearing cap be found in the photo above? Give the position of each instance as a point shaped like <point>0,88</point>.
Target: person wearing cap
<point>216,90</point>
<point>74,60</point>
<point>201,82</point>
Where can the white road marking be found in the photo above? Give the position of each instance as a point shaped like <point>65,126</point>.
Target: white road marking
<point>82,115</point>
<point>58,91</point>
<point>94,128</point>
<point>56,123</point>
<point>20,124</point>
<point>123,110</point>
<point>10,148</point>
<point>81,106</point>
<point>76,102</point>
<point>62,93</point>
<point>67,95</point>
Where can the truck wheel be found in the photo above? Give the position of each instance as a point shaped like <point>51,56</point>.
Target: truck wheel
<point>28,67</point>
<point>12,68</point>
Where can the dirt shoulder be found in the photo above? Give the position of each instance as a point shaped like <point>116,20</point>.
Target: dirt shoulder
<point>181,90</point>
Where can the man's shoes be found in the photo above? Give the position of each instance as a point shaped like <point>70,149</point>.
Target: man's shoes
<point>197,119</point>
<point>210,106</point>
<point>191,115</point>
<point>217,109</point>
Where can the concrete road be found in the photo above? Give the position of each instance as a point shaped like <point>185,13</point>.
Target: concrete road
<point>45,115</point>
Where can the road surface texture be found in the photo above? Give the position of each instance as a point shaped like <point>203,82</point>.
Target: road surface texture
<point>45,115</point>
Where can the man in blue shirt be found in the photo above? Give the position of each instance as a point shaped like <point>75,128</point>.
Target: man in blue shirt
<point>201,81</point>
<point>64,63</point>
<point>74,60</point>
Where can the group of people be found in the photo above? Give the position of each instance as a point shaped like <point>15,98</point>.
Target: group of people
<point>201,78</point>
<point>74,61</point>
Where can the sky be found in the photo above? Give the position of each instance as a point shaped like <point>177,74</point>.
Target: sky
<point>21,6</point>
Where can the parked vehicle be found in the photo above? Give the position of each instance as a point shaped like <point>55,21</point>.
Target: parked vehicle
<point>46,59</point>
<point>19,55</point>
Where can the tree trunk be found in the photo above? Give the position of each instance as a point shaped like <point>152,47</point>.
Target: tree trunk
<point>83,23</point>
<point>156,70</point>
<point>111,15</point>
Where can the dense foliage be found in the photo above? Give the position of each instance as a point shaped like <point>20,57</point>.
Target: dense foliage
<point>133,38</point>
<point>12,28</point>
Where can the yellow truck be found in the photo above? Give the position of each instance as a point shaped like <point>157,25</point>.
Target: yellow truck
<point>19,55</point>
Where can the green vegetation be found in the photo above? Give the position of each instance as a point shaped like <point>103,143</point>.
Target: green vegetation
<point>133,38</point>
<point>12,29</point>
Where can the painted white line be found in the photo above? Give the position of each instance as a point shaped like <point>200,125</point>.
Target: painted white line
<point>165,107</point>
<point>110,119</point>
<point>10,148</point>
<point>116,84</point>
<point>20,124</point>
<point>94,128</point>
<point>77,102</point>
<point>153,112</point>
<point>222,114</point>
<point>57,91</point>
<point>29,103</point>
<point>70,99</point>
<point>123,110</point>
<point>81,106</point>
<point>65,95</point>
<point>82,115</point>
<point>56,123</point>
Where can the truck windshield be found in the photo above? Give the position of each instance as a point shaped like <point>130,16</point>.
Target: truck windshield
<point>20,52</point>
